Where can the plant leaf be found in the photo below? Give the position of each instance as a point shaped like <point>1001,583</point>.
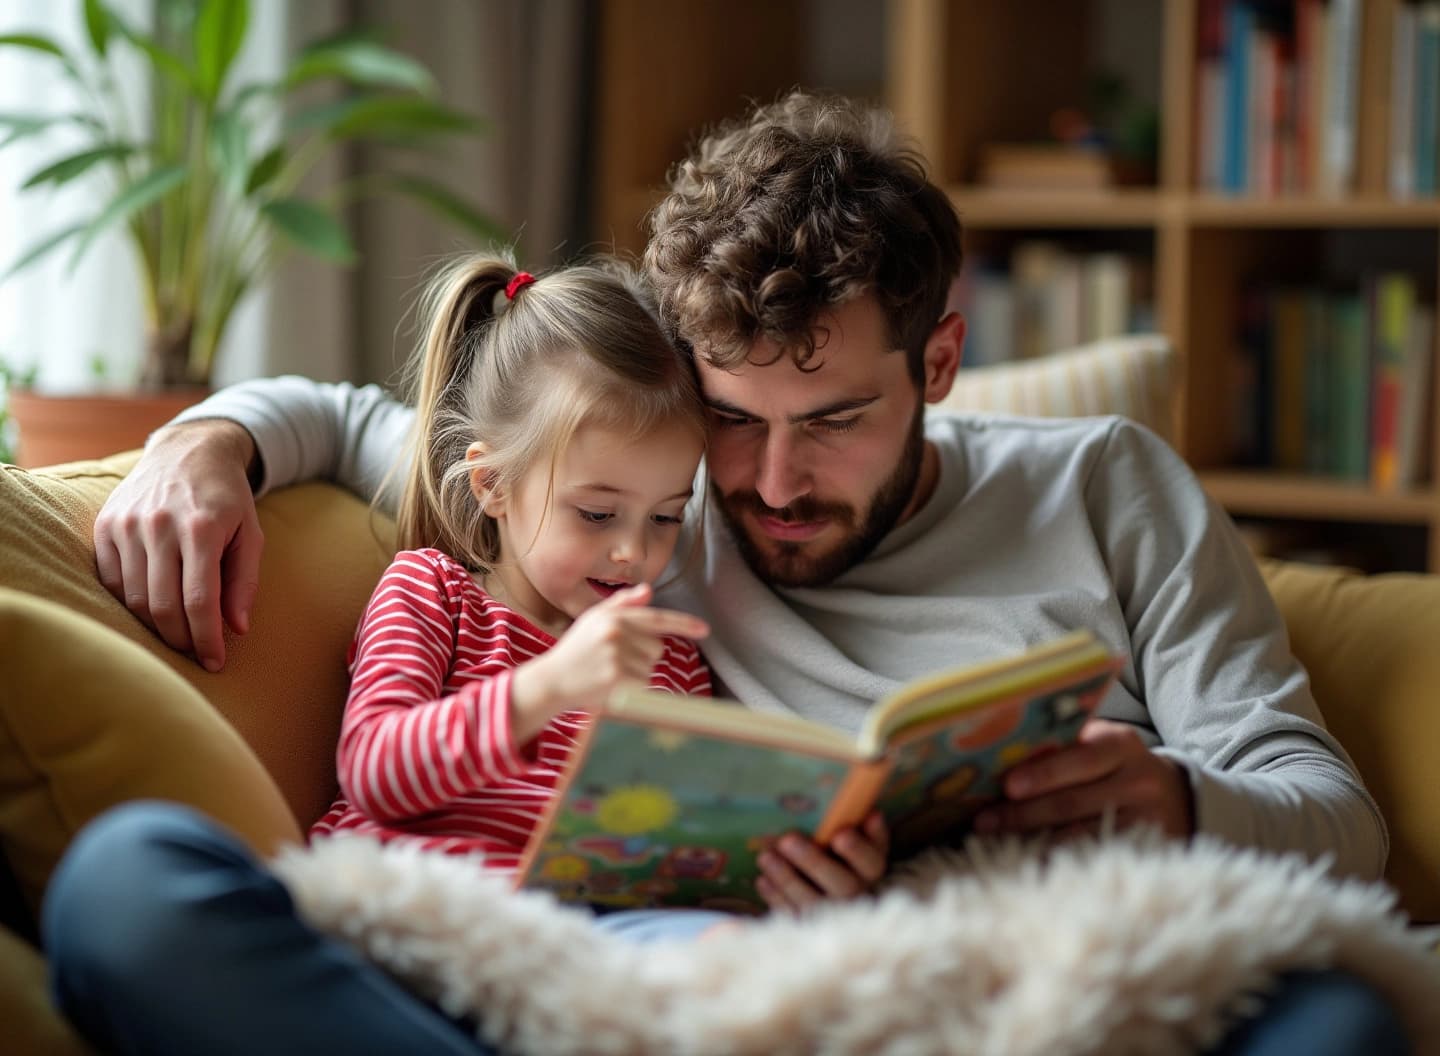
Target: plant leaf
<point>41,248</point>
<point>100,24</point>
<point>230,149</point>
<point>150,188</point>
<point>19,126</point>
<point>447,204</point>
<point>166,62</point>
<point>361,62</point>
<point>67,168</point>
<point>310,227</point>
<point>394,118</point>
<point>265,170</point>
<point>33,41</point>
<point>46,46</point>
<point>219,32</point>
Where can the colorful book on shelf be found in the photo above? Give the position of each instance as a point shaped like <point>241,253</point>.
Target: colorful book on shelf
<point>669,800</point>
<point>1394,308</point>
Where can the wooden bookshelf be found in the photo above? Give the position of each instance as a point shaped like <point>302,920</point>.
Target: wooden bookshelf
<point>953,63</point>
<point>961,74</point>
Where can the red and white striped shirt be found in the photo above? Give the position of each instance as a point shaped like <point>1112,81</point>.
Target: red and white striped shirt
<point>426,749</point>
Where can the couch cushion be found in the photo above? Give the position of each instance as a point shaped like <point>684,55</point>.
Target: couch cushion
<point>88,719</point>
<point>1372,647</point>
<point>1131,376</point>
<point>283,686</point>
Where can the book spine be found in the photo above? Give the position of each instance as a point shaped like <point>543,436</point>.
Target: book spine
<point>1415,399</point>
<point>1288,397</point>
<point>1318,374</point>
<point>1239,23</point>
<point>1350,386</point>
<point>854,799</point>
<point>1339,157</point>
<point>1402,104</point>
<point>1427,100</point>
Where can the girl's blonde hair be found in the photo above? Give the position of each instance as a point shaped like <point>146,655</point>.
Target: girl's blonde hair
<point>578,346</point>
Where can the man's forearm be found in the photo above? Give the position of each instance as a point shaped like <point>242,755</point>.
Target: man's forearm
<point>306,430</point>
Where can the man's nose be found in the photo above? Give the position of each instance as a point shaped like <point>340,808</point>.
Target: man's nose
<point>780,478</point>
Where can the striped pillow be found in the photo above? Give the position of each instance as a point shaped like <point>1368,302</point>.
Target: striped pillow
<point>1123,375</point>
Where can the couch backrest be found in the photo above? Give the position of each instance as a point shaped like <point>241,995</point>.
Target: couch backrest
<point>283,687</point>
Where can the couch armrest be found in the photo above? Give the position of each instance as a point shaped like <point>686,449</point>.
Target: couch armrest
<point>1372,647</point>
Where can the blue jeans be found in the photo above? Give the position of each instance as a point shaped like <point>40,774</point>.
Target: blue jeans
<point>165,935</point>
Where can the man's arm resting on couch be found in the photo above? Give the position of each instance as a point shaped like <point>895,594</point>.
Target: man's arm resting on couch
<point>178,540</point>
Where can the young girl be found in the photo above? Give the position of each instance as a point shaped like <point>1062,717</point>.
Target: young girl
<point>557,436</point>
<point>556,440</point>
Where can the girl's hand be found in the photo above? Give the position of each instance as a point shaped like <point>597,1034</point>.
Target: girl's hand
<point>798,873</point>
<point>616,641</point>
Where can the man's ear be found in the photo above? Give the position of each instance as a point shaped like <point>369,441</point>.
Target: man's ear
<point>943,350</point>
<point>483,480</point>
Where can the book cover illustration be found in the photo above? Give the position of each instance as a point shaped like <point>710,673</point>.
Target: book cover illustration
<point>945,770</point>
<point>662,817</point>
<point>657,815</point>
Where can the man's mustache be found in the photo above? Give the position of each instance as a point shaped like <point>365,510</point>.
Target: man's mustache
<point>803,510</point>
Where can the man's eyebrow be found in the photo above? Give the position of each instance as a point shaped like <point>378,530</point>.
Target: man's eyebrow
<point>838,407</point>
<point>611,489</point>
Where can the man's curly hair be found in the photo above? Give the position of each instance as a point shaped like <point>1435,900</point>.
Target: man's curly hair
<point>801,206</point>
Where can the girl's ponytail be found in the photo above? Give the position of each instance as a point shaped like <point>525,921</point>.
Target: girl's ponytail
<point>456,311</point>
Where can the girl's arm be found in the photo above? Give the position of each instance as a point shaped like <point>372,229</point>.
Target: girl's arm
<point>408,748</point>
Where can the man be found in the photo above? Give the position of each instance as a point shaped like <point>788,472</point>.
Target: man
<point>849,544</point>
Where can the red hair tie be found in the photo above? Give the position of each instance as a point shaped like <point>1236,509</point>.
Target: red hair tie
<point>518,283</point>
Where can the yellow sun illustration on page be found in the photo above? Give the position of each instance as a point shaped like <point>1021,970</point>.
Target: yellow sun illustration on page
<point>636,809</point>
<point>668,740</point>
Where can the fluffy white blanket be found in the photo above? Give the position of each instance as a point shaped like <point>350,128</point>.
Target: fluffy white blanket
<point>1123,946</point>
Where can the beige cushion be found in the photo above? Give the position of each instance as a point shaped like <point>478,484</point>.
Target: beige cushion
<point>1132,376</point>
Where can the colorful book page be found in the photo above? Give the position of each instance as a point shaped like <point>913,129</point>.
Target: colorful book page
<point>660,817</point>
<point>943,776</point>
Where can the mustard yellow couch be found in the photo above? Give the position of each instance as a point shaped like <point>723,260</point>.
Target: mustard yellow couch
<point>94,710</point>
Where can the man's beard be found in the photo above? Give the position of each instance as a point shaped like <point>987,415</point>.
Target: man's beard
<point>787,564</point>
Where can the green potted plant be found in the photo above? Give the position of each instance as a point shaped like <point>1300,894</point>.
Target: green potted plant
<point>207,190</point>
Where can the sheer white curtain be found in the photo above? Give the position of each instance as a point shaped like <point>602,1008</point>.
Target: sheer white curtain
<point>50,316</point>
<point>517,65</point>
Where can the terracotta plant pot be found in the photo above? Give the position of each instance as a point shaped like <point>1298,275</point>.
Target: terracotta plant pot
<point>53,429</point>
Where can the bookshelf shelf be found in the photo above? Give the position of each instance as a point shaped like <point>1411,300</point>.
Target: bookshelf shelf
<point>982,207</point>
<point>1281,211</point>
<point>1311,498</point>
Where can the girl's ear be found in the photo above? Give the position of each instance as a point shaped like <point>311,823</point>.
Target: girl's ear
<point>483,480</point>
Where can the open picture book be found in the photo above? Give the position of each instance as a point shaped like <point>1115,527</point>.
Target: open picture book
<point>669,800</point>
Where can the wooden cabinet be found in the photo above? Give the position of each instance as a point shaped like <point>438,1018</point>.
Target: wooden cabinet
<point>961,74</point>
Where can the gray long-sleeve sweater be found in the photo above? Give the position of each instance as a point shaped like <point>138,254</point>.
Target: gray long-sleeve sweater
<point>1035,527</point>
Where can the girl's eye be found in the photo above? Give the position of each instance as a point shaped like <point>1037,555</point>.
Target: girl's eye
<point>838,425</point>
<point>668,522</point>
<point>593,516</point>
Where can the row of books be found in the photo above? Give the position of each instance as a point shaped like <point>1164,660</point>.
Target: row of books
<point>1044,298</point>
<point>1336,383</point>
<point>1277,93</point>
